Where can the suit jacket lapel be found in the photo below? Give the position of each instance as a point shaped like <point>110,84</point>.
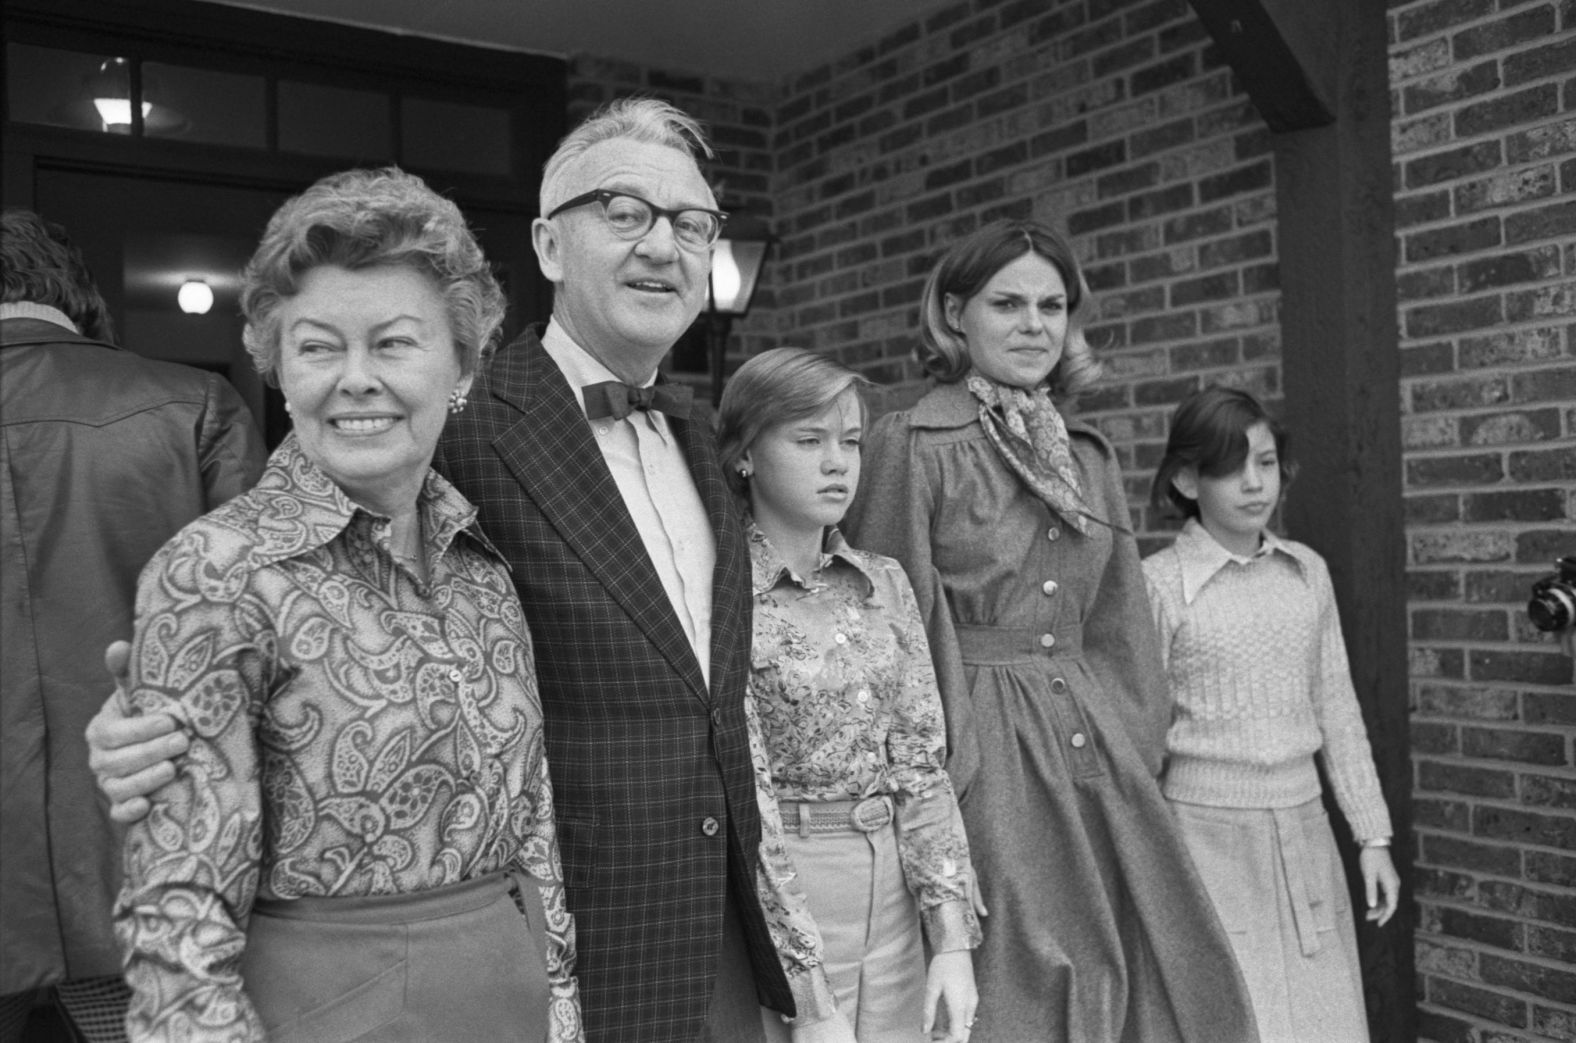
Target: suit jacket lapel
<point>554,456</point>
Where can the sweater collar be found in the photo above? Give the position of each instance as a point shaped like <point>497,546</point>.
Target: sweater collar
<point>1203,557</point>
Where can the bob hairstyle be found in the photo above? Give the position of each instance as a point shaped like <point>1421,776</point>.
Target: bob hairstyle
<point>365,219</point>
<point>1209,431</point>
<point>41,266</point>
<point>963,272</point>
<point>775,387</point>
<point>650,120</point>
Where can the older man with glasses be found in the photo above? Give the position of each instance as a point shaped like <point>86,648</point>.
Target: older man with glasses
<point>604,493</point>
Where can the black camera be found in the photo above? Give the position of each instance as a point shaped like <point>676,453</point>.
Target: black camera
<point>1553,604</point>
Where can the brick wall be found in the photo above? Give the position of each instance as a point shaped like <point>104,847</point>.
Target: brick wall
<point>1484,131</point>
<point>1115,121</point>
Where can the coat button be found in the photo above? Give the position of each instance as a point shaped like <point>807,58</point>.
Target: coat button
<point>1049,586</point>
<point>1058,685</point>
<point>1053,534</point>
<point>456,675</point>
<point>709,826</point>
<point>1047,640</point>
<point>1079,740</point>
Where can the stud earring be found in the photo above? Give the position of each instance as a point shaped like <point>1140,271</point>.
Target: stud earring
<point>289,408</point>
<point>457,401</point>
<point>744,472</point>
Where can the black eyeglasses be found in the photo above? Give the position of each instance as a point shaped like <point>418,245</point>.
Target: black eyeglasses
<point>631,217</point>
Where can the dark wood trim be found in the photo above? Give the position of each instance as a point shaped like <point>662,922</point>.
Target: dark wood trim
<point>1281,51</point>
<point>1341,377</point>
<point>159,29</point>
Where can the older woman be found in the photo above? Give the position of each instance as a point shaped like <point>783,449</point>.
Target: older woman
<point>359,842</point>
<point>1100,928</point>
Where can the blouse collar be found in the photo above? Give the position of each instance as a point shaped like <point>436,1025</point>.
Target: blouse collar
<point>1202,556</point>
<point>298,495</point>
<point>768,569</point>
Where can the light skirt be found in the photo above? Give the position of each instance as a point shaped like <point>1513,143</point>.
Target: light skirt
<point>1276,880</point>
<point>869,923</point>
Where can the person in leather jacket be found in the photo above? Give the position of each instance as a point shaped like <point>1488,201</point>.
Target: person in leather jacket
<point>104,455</point>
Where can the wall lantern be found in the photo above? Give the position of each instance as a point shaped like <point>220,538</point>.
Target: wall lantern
<point>736,263</point>
<point>195,297</point>
<point>111,90</point>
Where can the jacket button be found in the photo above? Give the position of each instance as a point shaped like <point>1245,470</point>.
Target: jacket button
<point>1047,640</point>
<point>709,826</point>
<point>1053,534</point>
<point>1058,685</point>
<point>1049,586</point>
<point>1079,740</point>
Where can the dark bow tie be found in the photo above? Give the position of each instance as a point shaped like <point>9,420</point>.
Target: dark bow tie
<point>613,399</point>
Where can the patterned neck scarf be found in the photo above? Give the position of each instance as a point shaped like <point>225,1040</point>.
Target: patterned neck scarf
<point>1031,437</point>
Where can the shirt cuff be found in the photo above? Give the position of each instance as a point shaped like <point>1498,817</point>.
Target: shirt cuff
<point>812,998</point>
<point>950,926</point>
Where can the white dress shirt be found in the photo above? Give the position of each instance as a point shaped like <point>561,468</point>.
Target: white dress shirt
<point>654,479</point>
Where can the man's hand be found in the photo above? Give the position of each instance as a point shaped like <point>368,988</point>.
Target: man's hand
<point>950,985</point>
<point>1380,880</point>
<point>132,756</point>
<point>834,1029</point>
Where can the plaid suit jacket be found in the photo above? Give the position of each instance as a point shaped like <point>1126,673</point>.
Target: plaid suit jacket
<point>651,771</point>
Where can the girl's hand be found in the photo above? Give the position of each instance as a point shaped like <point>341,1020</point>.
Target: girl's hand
<point>1380,880</point>
<point>951,981</point>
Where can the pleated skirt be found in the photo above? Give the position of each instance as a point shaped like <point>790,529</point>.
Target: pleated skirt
<point>1276,879</point>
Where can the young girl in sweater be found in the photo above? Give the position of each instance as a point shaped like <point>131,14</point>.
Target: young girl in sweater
<point>842,681</point>
<point>1257,667</point>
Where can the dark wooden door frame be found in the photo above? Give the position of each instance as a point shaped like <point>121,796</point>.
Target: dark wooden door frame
<point>1317,72</point>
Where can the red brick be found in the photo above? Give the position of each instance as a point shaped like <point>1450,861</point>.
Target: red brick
<point>1485,930</point>
<point>1508,110</point>
<point>1502,34</point>
<point>1521,667</point>
<point>1468,781</point>
<point>1453,317</point>
<point>1452,164</point>
<point>1523,505</point>
<point>1509,744</point>
<point>1524,976</point>
<point>1493,1006</point>
<point>1450,86</point>
<point>1546,222</point>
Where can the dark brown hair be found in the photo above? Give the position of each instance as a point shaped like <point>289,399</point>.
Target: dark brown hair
<point>1209,432</point>
<point>43,267</point>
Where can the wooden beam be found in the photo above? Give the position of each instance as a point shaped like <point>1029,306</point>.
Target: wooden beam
<point>1340,376</point>
<point>1283,51</point>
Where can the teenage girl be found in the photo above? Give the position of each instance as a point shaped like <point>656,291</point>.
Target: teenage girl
<point>842,680</point>
<point>1257,668</point>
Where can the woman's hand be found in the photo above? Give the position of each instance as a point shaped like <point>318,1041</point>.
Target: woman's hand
<point>132,756</point>
<point>951,982</point>
<point>1380,880</point>
<point>834,1029</point>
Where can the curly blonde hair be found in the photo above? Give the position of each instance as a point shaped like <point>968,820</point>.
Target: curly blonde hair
<point>365,219</point>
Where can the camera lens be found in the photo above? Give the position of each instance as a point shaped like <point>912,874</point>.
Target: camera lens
<point>1552,608</point>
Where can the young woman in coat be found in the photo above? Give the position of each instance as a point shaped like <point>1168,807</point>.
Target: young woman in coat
<point>1100,929</point>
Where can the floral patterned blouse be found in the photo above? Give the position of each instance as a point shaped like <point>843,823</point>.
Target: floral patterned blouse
<point>354,732</point>
<point>842,682</point>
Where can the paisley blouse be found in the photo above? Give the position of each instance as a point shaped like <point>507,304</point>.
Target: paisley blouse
<point>842,682</point>
<point>354,731</point>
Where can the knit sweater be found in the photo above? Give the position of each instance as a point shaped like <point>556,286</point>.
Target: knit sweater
<point>1258,671</point>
